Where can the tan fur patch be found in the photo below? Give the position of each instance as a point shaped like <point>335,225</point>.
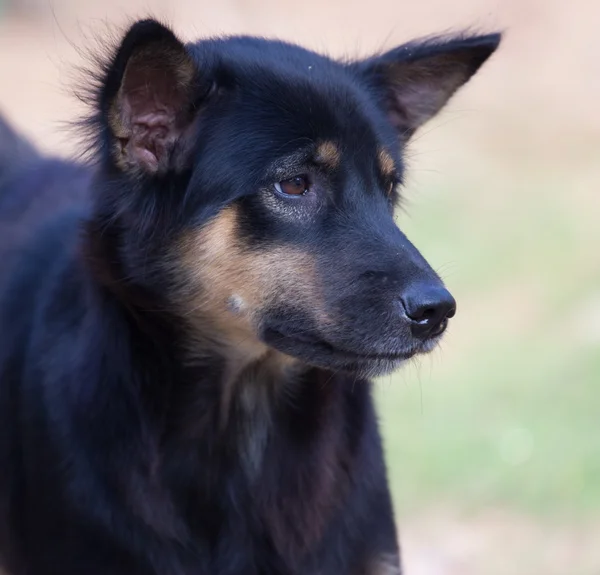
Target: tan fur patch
<point>220,270</point>
<point>386,163</point>
<point>225,287</point>
<point>328,154</point>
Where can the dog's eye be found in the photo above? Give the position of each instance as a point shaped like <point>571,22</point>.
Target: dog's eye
<point>296,186</point>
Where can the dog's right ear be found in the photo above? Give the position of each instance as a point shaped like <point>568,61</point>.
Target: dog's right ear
<point>149,98</point>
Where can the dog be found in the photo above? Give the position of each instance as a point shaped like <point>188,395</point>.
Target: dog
<point>189,323</point>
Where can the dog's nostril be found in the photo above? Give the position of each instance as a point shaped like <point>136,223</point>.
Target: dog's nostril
<point>424,314</point>
<point>429,307</point>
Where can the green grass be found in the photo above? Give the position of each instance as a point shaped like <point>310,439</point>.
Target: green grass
<point>508,413</point>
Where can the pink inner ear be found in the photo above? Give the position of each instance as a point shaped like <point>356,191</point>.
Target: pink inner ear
<point>153,136</point>
<point>418,89</point>
<point>414,102</point>
<point>152,108</point>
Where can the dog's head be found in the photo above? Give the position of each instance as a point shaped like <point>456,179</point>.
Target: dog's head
<point>251,184</point>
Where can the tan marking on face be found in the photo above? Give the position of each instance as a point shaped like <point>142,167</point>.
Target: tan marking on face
<point>227,285</point>
<point>328,154</point>
<point>386,163</point>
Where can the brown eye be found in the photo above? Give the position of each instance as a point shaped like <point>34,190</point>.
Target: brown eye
<point>296,186</point>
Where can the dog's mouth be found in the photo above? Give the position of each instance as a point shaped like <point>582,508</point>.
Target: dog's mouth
<point>309,346</point>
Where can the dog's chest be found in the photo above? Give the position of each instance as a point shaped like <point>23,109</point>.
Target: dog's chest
<point>254,426</point>
<point>268,482</point>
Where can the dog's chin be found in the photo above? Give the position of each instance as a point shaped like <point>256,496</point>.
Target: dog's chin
<point>313,350</point>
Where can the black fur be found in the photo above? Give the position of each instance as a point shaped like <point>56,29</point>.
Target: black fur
<point>137,436</point>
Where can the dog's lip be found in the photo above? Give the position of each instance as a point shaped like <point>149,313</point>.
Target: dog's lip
<point>314,341</point>
<point>354,355</point>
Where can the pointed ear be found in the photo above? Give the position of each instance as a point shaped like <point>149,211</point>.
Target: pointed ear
<point>413,82</point>
<point>148,99</point>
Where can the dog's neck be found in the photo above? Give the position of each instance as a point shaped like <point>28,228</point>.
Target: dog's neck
<point>207,371</point>
<point>231,395</point>
<point>250,374</point>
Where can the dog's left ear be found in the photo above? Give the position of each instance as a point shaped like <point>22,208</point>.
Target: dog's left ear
<point>413,82</point>
<point>149,98</point>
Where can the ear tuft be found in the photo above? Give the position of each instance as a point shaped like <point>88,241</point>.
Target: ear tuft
<point>148,98</point>
<point>414,82</point>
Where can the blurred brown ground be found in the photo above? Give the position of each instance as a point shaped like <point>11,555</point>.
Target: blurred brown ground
<point>532,110</point>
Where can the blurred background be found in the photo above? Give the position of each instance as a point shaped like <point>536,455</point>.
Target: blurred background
<point>493,442</point>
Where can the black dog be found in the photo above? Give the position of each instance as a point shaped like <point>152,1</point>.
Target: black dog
<point>186,327</point>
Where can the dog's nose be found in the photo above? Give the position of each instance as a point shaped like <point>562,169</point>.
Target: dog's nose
<point>429,307</point>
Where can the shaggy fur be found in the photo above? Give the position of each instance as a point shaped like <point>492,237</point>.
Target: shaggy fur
<point>186,327</point>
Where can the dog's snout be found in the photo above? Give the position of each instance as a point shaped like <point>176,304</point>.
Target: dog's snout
<point>429,307</point>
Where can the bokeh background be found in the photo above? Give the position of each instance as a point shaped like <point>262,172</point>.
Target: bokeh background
<point>493,442</point>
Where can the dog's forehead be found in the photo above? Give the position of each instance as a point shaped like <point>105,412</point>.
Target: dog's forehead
<point>292,93</point>
<point>326,120</point>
